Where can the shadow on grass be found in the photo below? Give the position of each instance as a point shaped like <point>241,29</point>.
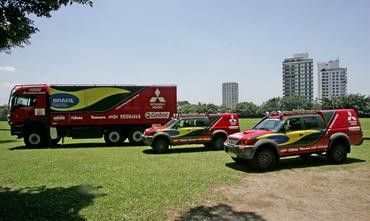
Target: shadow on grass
<point>7,141</point>
<point>291,163</point>
<point>42,203</point>
<point>1,129</point>
<point>72,145</point>
<point>220,212</point>
<point>177,150</point>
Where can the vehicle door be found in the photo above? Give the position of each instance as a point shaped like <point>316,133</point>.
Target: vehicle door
<point>191,130</point>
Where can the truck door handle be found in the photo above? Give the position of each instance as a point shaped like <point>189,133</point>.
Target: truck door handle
<point>300,134</point>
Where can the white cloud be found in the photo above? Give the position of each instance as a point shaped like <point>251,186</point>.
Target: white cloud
<point>7,69</point>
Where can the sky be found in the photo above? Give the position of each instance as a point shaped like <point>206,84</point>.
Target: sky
<point>194,44</point>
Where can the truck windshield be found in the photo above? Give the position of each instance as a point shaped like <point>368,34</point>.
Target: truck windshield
<point>21,101</point>
<point>269,124</point>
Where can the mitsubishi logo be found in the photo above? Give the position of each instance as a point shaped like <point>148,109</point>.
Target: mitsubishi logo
<point>157,97</point>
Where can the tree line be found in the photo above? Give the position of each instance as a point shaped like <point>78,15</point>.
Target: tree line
<point>360,103</point>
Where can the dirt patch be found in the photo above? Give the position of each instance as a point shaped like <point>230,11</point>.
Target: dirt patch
<point>292,194</point>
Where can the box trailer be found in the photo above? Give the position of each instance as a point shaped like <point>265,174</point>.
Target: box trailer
<point>43,114</point>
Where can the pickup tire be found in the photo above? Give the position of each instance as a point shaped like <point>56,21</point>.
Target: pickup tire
<point>136,136</point>
<point>337,153</point>
<point>113,137</point>
<point>264,160</point>
<point>35,138</point>
<point>217,142</point>
<point>160,145</point>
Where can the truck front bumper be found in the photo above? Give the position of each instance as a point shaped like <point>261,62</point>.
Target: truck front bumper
<point>16,130</point>
<point>236,151</point>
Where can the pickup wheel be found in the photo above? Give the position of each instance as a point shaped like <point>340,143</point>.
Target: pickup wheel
<point>136,136</point>
<point>113,137</point>
<point>264,160</point>
<point>35,138</point>
<point>160,145</point>
<point>218,142</point>
<point>337,153</point>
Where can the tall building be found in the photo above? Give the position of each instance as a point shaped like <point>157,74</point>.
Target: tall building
<point>230,94</point>
<point>332,79</point>
<point>298,76</point>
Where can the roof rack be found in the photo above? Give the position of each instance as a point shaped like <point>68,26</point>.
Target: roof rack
<point>294,112</point>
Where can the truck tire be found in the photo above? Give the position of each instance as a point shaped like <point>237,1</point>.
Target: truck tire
<point>136,136</point>
<point>337,153</point>
<point>35,138</point>
<point>113,137</point>
<point>264,160</point>
<point>217,142</point>
<point>160,145</point>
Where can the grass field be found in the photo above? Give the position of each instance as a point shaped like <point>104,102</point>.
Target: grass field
<point>83,179</point>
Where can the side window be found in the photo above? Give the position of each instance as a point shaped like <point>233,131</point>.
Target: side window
<point>293,124</point>
<point>22,101</point>
<point>311,122</point>
<point>202,123</point>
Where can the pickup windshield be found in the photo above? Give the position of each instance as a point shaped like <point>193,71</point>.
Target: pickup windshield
<point>270,124</point>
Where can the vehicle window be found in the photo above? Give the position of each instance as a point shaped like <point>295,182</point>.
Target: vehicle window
<point>21,101</point>
<point>186,123</point>
<point>293,124</point>
<point>202,122</point>
<point>311,122</point>
<point>269,124</point>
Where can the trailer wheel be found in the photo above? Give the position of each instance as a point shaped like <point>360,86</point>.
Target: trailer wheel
<point>136,136</point>
<point>113,137</point>
<point>35,138</point>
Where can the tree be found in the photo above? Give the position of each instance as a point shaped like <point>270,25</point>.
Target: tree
<point>295,103</point>
<point>359,102</point>
<point>16,27</point>
<point>248,109</point>
<point>273,104</point>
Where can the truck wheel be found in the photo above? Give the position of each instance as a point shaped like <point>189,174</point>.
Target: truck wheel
<point>136,136</point>
<point>35,138</point>
<point>160,145</point>
<point>113,137</point>
<point>264,160</point>
<point>337,153</point>
<point>218,142</point>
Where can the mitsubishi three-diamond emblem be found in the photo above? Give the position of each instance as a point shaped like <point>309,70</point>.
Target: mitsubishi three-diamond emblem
<point>157,97</point>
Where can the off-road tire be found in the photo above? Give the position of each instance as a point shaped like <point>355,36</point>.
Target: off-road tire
<point>160,145</point>
<point>337,153</point>
<point>218,142</point>
<point>264,160</point>
<point>113,137</point>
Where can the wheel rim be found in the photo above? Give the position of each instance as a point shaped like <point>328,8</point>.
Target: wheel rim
<point>34,139</point>
<point>265,160</point>
<point>114,136</point>
<point>137,136</point>
<point>338,154</point>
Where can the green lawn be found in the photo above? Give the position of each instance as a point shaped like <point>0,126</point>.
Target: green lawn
<point>83,179</point>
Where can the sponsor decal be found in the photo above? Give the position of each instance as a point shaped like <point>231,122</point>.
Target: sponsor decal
<point>77,118</point>
<point>233,121</point>
<point>39,111</point>
<point>157,115</point>
<point>157,102</point>
<point>129,116</point>
<point>98,117</point>
<point>62,100</point>
<point>59,117</point>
